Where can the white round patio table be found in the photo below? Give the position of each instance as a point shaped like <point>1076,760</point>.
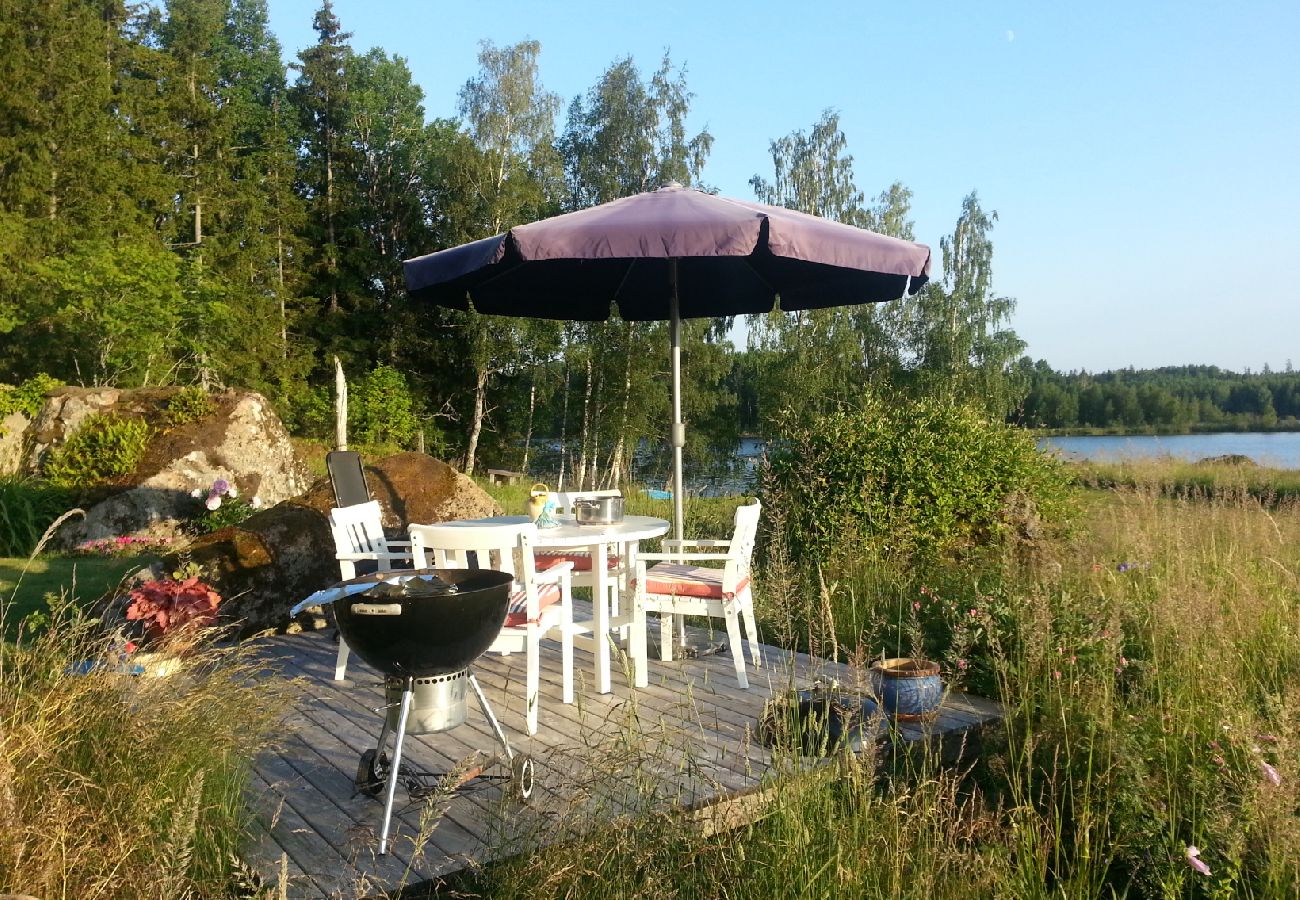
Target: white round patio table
<point>624,537</point>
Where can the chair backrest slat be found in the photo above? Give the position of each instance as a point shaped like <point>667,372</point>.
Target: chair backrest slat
<point>358,529</point>
<point>745,535</point>
<point>505,548</point>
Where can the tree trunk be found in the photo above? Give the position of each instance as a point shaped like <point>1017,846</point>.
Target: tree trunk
<point>585,437</point>
<point>564,420</point>
<point>616,461</point>
<point>340,407</point>
<point>476,425</point>
<point>528,431</point>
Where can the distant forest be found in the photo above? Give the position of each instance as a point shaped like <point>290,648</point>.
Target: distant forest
<point>1170,399</point>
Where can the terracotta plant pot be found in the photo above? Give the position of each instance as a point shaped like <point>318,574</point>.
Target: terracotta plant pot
<point>908,688</point>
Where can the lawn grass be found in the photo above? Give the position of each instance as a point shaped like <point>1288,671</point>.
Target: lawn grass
<point>24,584</point>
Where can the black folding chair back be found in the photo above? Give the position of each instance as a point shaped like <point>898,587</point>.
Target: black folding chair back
<point>347,477</point>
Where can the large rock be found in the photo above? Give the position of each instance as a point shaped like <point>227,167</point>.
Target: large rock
<point>281,555</point>
<point>242,441</point>
<point>13,430</point>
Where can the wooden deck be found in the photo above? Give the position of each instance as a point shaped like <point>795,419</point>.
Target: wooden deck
<point>690,739</point>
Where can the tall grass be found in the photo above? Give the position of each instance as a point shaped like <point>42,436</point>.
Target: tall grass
<point>114,785</point>
<point>1150,670</point>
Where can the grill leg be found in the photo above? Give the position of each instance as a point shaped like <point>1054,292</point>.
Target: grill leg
<point>408,693</point>
<point>491,717</point>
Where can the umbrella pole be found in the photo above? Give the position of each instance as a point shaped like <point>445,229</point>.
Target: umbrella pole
<point>678,436</point>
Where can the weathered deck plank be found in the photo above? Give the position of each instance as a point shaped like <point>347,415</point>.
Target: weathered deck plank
<point>690,740</point>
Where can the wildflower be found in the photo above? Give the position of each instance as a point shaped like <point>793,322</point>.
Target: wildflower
<point>220,486</point>
<point>1271,774</point>
<point>961,664</point>
<point>1193,860</point>
<point>916,605</point>
<point>974,613</point>
<point>1219,761</point>
<point>213,502</point>
<point>196,493</point>
<point>257,503</point>
<point>1056,674</point>
<point>1266,738</point>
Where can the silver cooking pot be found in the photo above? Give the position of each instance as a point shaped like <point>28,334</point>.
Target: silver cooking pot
<point>598,510</point>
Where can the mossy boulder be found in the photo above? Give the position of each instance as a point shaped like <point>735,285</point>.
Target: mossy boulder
<point>280,555</point>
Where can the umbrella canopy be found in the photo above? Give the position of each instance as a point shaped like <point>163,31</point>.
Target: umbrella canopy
<point>666,255</point>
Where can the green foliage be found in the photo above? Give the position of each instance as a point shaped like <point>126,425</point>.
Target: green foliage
<point>104,450</point>
<point>931,477</point>
<point>27,507</point>
<point>231,512</point>
<point>28,397</point>
<point>187,405</point>
<point>381,409</point>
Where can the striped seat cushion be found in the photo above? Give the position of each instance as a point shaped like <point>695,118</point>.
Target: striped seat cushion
<point>517,611</point>
<point>545,559</point>
<point>681,580</point>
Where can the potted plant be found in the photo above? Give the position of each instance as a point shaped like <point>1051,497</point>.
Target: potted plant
<point>907,687</point>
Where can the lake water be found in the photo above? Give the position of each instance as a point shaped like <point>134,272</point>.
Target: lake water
<point>1279,450</point>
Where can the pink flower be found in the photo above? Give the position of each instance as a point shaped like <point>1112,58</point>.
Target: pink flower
<point>1056,674</point>
<point>213,502</point>
<point>1271,774</point>
<point>916,606</point>
<point>961,664</point>
<point>1194,860</point>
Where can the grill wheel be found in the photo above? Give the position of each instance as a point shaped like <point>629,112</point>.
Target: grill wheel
<point>372,773</point>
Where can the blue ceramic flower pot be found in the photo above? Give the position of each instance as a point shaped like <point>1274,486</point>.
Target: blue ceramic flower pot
<point>908,688</point>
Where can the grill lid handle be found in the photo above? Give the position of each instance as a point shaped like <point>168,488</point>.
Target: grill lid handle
<point>377,609</point>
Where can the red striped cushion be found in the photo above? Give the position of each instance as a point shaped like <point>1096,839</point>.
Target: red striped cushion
<point>680,580</point>
<point>544,559</point>
<point>517,611</point>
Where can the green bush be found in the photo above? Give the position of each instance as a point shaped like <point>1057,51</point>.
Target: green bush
<point>28,397</point>
<point>104,450</point>
<point>187,405</point>
<point>27,507</point>
<point>922,477</point>
<point>381,409</point>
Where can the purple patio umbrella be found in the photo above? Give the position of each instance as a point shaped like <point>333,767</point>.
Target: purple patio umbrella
<point>670,254</point>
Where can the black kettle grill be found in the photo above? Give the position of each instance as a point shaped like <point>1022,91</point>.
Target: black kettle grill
<point>421,629</point>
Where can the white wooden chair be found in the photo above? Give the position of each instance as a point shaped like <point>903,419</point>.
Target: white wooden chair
<point>583,576</point>
<point>361,548</point>
<point>673,586</point>
<point>540,602</point>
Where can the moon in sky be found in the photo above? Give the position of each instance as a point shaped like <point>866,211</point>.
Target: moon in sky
<point>1011,35</point>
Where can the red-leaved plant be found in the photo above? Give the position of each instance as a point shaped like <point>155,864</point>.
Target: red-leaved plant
<point>166,607</point>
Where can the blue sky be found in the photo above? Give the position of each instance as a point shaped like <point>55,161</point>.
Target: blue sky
<point>1143,157</point>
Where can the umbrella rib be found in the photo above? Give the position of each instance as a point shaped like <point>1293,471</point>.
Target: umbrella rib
<point>622,281</point>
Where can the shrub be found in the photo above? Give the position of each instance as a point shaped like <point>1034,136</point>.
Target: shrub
<point>928,477</point>
<point>381,408</point>
<point>187,405</point>
<point>27,507</point>
<point>28,397</point>
<point>168,608</point>
<point>104,450</point>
